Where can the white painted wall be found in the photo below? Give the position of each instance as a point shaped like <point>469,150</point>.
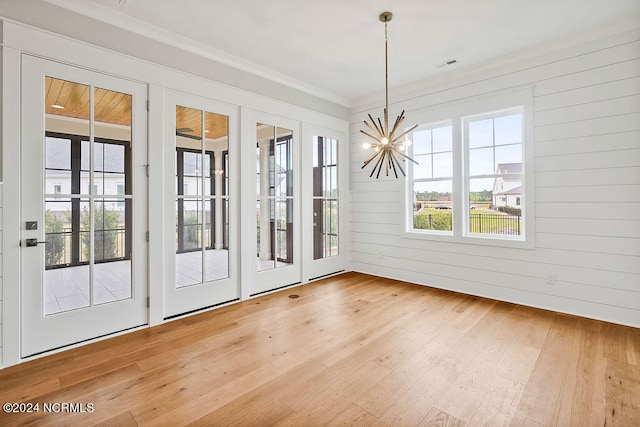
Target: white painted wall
<point>587,188</point>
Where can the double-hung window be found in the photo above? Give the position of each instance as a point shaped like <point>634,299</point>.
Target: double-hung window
<point>494,173</point>
<point>472,183</point>
<point>432,178</point>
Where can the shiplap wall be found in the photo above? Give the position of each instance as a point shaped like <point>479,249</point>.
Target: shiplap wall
<point>587,190</point>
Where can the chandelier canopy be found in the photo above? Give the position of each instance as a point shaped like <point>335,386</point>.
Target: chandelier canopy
<point>387,143</point>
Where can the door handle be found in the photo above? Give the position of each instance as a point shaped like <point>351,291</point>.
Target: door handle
<point>33,242</point>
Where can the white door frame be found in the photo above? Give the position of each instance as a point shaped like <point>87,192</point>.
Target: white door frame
<point>200,296</point>
<point>253,281</point>
<point>313,269</point>
<point>39,332</point>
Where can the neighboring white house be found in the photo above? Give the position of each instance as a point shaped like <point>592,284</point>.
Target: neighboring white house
<point>507,187</point>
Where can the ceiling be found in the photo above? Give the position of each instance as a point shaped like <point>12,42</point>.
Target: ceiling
<point>335,48</point>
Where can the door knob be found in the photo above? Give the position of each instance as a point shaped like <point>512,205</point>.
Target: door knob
<point>33,242</point>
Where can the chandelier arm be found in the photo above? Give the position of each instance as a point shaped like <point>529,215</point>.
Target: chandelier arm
<point>377,164</point>
<point>386,166</point>
<point>404,133</point>
<point>376,126</point>
<point>406,157</point>
<point>400,167</point>
<point>399,121</point>
<point>373,156</point>
<point>380,165</point>
<point>393,162</point>
<point>373,129</point>
<point>380,123</point>
<point>370,136</point>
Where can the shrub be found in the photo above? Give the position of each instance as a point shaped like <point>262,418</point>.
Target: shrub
<point>105,242</point>
<point>509,210</point>
<point>54,249</point>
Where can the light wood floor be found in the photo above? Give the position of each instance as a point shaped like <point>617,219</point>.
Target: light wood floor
<point>352,350</point>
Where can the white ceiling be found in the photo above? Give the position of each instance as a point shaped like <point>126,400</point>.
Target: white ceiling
<point>335,48</point>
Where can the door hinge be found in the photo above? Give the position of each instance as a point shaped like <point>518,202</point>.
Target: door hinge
<point>147,170</point>
<point>147,236</point>
<point>148,105</point>
<point>148,302</point>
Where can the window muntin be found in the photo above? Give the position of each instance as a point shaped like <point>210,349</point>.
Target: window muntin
<point>431,180</point>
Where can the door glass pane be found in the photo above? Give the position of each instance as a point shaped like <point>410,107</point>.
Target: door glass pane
<point>265,189</point>
<point>66,287</point>
<point>81,168</point>
<point>112,215</point>
<point>274,183</point>
<point>202,145</point>
<point>325,197</point>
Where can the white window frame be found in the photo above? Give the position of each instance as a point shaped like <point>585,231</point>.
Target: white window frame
<point>456,112</point>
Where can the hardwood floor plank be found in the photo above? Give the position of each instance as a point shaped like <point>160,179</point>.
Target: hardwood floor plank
<point>542,396</point>
<point>621,394</point>
<point>351,350</point>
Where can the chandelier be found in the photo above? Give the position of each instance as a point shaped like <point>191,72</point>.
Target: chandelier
<point>388,146</point>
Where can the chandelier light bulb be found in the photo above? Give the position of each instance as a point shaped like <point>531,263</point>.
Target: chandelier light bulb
<point>407,143</point>
<point>366,145</point>
<point>384,140</point>
<point>377,149</point>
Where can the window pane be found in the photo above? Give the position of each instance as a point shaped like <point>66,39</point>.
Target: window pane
<point>283,163</point>
<point>442,165</point>
<point>498,216</point>
<point>58,153</point>
<point>265,230</point>
<point>421,141</point>
<point>480,133</point>
<point>508,129</point>
<point>481,161</point>
<point>284,232</point>
<point>423,168</point>
<point>188,240</point>
<point>442,139</point>
<point>509,154</point>
<point>432,205</point>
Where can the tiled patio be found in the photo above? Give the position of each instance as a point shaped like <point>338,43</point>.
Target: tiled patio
<point>68,288</point>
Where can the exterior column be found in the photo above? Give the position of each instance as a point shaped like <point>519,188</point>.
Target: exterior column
<point>265,206</point>
<point>218,177</point>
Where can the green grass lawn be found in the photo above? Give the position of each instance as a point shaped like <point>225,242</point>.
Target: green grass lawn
<point>482,221</point>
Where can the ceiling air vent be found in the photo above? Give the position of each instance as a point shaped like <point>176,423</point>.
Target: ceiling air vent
<point>447,63</point>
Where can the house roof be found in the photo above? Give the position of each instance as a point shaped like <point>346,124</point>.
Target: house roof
<point>509,168</point>
<point>516,191</point>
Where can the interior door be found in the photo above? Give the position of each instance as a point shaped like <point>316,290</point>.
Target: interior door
<point>202,265</point>
<point>324,190</point>
<point>84,205</point>
<point>272,257</point>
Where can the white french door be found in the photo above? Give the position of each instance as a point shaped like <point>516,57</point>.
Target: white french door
<point>202,179</point>
<point>324,176</point>
<point>83,205</point>
<point>271,256</point>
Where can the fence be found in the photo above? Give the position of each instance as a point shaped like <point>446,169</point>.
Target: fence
<point>482,223</point>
